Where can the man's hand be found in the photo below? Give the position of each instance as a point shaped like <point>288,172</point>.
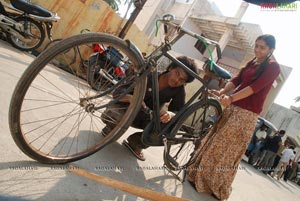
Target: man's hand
<point>166,116</point>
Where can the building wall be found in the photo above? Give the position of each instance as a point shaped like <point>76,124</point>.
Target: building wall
<point>186,44</point>
<point>286,119</point>
<point>152,10</point>
<point>94,15</point>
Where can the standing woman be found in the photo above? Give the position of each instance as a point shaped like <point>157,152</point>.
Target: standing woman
<point>220,154</point>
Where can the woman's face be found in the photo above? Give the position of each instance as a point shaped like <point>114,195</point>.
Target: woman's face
<point>177,77</point>
<point>261,49</point>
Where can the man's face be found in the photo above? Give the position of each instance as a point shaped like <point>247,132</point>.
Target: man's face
<point>177,77</point>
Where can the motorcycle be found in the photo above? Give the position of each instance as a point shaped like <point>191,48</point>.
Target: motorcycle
<point>23,23</point>
<point>105,67</point>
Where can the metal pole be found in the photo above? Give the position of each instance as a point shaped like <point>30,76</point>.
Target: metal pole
<point>139,4</point>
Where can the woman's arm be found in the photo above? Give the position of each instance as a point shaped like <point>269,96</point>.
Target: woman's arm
<point>228,87</point>
<point>227,100</point>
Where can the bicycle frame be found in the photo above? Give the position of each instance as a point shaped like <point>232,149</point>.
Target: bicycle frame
<point>156,109</point>
<point>150,67</point>
<point>153,58</point>
<point>69,123</point>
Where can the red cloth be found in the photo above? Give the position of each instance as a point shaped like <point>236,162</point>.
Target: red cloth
<point>261,86</point>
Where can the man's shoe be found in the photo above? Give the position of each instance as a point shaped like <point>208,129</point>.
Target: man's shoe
<point>139,155</point>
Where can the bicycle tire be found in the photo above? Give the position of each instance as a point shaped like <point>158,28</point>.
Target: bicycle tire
<point>37,40</point>
<point>49,121</point>
<point>52,43</point>
<point>72,54</point>
<point>188,132</point>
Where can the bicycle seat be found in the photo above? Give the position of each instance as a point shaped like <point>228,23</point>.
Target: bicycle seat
<point>217,70</point>
<point>30,8</point>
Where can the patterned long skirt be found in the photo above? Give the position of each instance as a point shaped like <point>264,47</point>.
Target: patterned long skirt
<point>220,152</point>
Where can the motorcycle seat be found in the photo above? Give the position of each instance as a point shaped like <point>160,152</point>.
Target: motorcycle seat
<point>30,8</point>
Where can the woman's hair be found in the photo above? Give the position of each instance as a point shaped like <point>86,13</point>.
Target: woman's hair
<point>188,63</point>
<point>271,43</point>
<point>269,39</point>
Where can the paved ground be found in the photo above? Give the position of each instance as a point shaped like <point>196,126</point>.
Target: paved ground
<point>24,179</point>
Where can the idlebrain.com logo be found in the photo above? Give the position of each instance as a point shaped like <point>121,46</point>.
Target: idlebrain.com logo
<point>278,6</point>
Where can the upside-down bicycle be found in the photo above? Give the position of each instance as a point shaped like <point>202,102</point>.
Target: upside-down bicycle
<point>55,115</point>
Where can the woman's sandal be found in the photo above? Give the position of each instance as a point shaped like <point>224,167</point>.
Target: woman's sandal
<point>139,156</point>
<point>215,196</point>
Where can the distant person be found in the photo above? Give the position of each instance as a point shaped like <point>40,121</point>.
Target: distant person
<point>296,176</point>
<point>272,147</point>
<point>294,169</point>
<point>288,171</point>
<point>277,158</point>
<point>286,158</point>
<point>256,140</point>
<point>220,154</point>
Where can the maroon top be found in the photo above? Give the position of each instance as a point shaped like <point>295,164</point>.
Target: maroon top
<point>261,86</point>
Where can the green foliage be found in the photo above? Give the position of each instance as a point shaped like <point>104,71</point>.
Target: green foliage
<point>113,4</point>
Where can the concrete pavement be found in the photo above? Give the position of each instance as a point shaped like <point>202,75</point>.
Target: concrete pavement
<point>21,178</point>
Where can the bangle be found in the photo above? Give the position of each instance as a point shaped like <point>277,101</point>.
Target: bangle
<point>231,99</point>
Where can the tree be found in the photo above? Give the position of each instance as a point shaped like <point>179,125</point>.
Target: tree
<point>113,4</point>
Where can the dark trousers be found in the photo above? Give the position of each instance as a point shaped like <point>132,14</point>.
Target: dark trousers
<point>114,113</point>
<point>276,161</point>
<point>287,173</point>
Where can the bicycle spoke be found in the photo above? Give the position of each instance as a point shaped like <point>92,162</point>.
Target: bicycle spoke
<point>43,107</point>
<point>42,120</point>
<point>50,93</point>
<point>47,123</point>
<point>64,93</point>
<point>188,132</point>
<point>75,126</point>
<point>51,135</point>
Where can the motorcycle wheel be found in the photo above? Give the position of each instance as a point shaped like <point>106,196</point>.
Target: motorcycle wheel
<point>33,38</point>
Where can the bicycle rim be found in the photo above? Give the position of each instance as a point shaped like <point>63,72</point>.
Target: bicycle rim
<point>50,118</point>
<point>193,126</point>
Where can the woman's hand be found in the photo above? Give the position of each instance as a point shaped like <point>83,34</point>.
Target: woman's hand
<point>215,92</point>
<point>225,100</point>
<point>166,116</point>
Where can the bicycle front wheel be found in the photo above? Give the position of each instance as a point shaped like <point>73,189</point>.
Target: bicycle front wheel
<point>56,116</point>
<point>191,127</point>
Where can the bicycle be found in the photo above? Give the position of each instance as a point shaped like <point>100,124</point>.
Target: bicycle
<point>55,115</point>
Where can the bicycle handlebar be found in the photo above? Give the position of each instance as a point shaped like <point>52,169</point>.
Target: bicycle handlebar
<point>195,35</point>
<point>167,21</point>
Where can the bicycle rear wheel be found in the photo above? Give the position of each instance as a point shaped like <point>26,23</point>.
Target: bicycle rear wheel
<point>185,137</point>
<point>54,116</point>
